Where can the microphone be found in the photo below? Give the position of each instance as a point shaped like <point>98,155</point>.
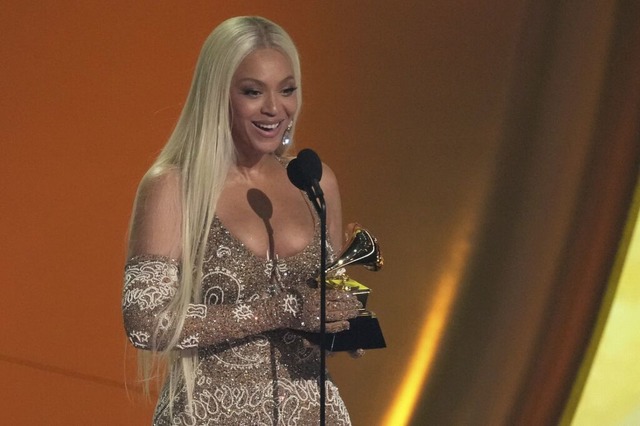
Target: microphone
<point>305,173</point>
<point>311,162</point>
<point>297,175</point>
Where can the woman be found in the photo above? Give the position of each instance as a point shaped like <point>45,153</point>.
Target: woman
<point>223,250</point>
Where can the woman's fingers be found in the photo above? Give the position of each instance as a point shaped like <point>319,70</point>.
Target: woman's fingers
<point>341,315</point>
<point>337,326</point>
<point>342,300</point>
<point>335,295</point>
<point>343,306</point>
<point>340,307</point>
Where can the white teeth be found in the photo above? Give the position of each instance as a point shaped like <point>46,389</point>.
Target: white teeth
<point>267,126</point>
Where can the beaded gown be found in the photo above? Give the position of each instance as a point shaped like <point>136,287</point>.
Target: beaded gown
<point>267,378</point>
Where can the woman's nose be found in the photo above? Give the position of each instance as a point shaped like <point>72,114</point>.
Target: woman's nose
<point>269,106</point>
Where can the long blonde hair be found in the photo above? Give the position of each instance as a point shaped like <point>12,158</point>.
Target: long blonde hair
<point>201,149</point>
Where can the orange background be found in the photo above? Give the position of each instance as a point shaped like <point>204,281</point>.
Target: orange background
<point>406,102</point>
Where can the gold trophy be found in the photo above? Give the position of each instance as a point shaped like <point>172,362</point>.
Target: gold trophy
<point>364,331</point>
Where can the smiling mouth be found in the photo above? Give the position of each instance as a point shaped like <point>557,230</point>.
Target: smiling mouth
<point>267,127</point>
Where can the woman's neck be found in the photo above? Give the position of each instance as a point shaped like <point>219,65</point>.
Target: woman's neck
<point>253,168</point>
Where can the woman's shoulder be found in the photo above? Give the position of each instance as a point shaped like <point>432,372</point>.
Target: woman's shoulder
<point>160,183</point>
<point>328,176</point>
<point>155,229</point>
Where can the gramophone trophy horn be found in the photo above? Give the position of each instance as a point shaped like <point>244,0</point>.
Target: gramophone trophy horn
<point>364,331</point>
<point>362,249</point>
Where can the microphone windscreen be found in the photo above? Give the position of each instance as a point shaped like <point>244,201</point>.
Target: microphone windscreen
<point>297,175</point>
<point>310,164</point>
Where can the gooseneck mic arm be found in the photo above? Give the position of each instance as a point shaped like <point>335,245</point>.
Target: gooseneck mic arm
<point>305,172</point>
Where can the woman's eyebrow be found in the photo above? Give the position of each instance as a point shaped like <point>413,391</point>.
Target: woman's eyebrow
<point>260,82</point>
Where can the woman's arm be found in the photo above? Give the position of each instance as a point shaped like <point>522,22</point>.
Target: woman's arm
<point>152,282</point>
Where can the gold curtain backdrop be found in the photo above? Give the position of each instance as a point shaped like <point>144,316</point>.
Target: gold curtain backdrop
<point>492,147</point>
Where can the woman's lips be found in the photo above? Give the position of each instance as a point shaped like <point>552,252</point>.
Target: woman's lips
<point>268,128</point>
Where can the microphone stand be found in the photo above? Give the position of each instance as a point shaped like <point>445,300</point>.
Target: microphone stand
<point>323,311</point>
<point>317,198</point>
<point>305,172</point>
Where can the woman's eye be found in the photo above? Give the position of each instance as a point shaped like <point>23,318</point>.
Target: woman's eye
<point>289,91</point>
<point>251,92</point>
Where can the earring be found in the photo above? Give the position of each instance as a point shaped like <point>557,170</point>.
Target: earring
<point>286,136</point>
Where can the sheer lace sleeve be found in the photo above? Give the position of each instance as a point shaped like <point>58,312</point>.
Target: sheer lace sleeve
<point>150,282</point>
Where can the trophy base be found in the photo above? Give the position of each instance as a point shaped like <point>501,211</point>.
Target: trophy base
<point>364,333</point>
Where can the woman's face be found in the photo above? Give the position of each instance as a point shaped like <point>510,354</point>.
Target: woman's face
<point>263,101</point>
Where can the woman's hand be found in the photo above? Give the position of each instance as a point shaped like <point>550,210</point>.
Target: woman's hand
<point>341,306</point>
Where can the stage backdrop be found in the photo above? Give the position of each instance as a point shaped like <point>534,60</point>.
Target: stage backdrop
<point>491,146</point>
